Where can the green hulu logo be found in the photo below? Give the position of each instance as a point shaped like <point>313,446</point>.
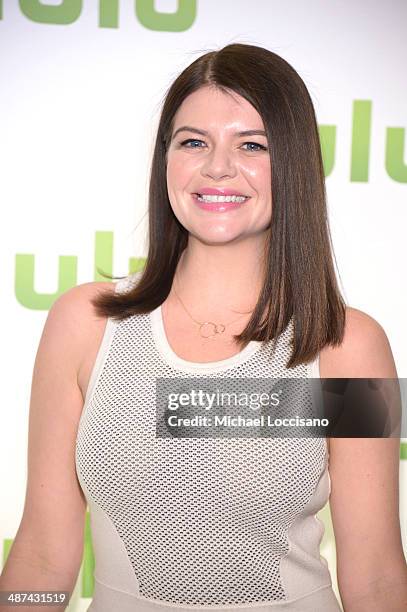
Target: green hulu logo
<point>67,273</point>
<point>394,164</point>
<point>69,11</point>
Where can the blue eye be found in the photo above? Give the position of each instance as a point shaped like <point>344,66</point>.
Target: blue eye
<point>256,144</point>
<point>185,142</point>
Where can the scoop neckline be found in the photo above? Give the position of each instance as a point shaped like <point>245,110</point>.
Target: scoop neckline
<point>170,357</point>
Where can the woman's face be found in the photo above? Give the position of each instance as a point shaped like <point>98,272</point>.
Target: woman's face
<point>221,159</point>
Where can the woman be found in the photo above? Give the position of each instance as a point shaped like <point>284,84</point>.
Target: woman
<point>234,286</point>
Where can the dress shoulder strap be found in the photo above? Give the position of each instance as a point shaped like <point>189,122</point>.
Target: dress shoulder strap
<point>128,282</point>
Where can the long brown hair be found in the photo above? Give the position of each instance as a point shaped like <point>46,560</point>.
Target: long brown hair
<point>299,280</point>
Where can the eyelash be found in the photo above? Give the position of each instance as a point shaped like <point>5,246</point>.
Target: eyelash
<point>185,142</point>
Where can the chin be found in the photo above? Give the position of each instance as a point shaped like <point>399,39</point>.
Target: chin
<point>216,237</point>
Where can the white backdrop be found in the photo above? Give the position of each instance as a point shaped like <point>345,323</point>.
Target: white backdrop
<point>79,105</point>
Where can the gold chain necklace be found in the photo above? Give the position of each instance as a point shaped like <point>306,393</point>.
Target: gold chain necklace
<point>207,326</point>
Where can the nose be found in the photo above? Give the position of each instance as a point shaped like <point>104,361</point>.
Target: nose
<point>218,163</point>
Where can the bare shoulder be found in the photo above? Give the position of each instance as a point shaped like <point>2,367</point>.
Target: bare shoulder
<point>80,295</point>
<point>365,351</point>
<point>74,310</point>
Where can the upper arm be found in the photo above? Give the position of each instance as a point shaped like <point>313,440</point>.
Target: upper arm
<point>364,472</point>
<point>52,525</point>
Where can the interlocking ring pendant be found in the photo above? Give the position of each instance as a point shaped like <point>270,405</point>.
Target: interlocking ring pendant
<point>212,328</point>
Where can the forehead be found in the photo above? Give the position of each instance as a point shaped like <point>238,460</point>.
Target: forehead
<point>210,106</point>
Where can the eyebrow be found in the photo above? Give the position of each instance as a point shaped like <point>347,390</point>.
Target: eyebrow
<point>187,128</point>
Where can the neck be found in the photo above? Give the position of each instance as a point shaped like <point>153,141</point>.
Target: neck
<point>220,279</point>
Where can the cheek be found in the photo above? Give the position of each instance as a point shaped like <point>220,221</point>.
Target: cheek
<point>180,169</point>
<point>177,182</point>
<point>174,168</point>
<point>259,173</point>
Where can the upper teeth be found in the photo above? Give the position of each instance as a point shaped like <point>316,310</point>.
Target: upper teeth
<point>221,198</point>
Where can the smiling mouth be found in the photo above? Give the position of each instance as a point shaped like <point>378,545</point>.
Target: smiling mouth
<point>220,198</point>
